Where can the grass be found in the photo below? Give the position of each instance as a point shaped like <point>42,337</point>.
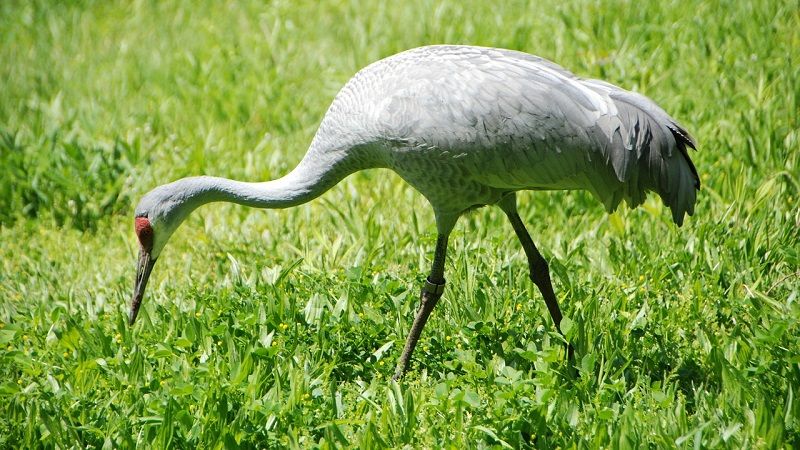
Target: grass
<point>281,328</point>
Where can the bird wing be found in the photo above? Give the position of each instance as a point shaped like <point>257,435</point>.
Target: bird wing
<point>511,120</point>
<point>662,162</point>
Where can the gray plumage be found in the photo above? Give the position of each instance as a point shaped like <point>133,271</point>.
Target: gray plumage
<point>466,126</point>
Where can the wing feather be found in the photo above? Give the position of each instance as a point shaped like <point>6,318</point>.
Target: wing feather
<point>511,120</point>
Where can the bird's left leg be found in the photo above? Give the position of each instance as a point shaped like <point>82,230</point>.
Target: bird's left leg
<point>431,293</point>
<point>539,271</point>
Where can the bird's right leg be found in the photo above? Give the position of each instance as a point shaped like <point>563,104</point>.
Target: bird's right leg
<point>431,293</point>
<point>539,271</point>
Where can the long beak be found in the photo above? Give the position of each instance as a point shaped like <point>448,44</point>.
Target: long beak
<point>143,269</point>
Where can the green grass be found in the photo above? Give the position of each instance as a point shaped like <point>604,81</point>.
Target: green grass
<point>281,328</point>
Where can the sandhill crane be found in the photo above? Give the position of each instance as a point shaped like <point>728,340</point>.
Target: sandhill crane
<point>467,127</point>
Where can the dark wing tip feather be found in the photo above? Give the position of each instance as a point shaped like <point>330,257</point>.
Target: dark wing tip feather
<point>683,135</point>
<point>683,140</point>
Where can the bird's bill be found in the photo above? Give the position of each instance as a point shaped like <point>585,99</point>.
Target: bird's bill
<point>143,269</point>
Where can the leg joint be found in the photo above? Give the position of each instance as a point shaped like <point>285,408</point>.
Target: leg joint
<point>539,267</point>
<point>540,264</point>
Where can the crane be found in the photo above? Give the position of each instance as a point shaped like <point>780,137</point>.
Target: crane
<point>466,127</point>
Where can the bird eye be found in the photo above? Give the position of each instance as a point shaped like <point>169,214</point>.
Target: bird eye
<point>144,231</point>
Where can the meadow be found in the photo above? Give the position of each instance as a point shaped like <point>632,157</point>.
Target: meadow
<point>282,328</point>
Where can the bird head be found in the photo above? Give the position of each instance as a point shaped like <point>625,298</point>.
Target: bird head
<point>157,216</point>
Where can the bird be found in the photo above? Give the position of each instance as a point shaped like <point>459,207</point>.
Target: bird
<point>466,127</point>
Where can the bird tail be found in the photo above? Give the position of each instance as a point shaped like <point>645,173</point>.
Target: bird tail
<point>648,152</point>
<point>677,182</point>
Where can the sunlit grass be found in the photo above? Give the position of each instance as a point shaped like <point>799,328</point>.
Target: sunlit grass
<point>282,328</point>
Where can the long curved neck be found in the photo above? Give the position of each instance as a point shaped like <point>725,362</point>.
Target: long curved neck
<point>305,183</point>
<point>319,171</point>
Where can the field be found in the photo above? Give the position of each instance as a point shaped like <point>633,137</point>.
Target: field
<point>281,328</point>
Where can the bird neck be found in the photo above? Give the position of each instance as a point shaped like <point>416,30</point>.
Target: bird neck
<point>293,189</point>
<point>310,179</point>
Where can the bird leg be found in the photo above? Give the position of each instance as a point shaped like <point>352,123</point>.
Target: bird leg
<point>431,293</point>
<point>539,271</point>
